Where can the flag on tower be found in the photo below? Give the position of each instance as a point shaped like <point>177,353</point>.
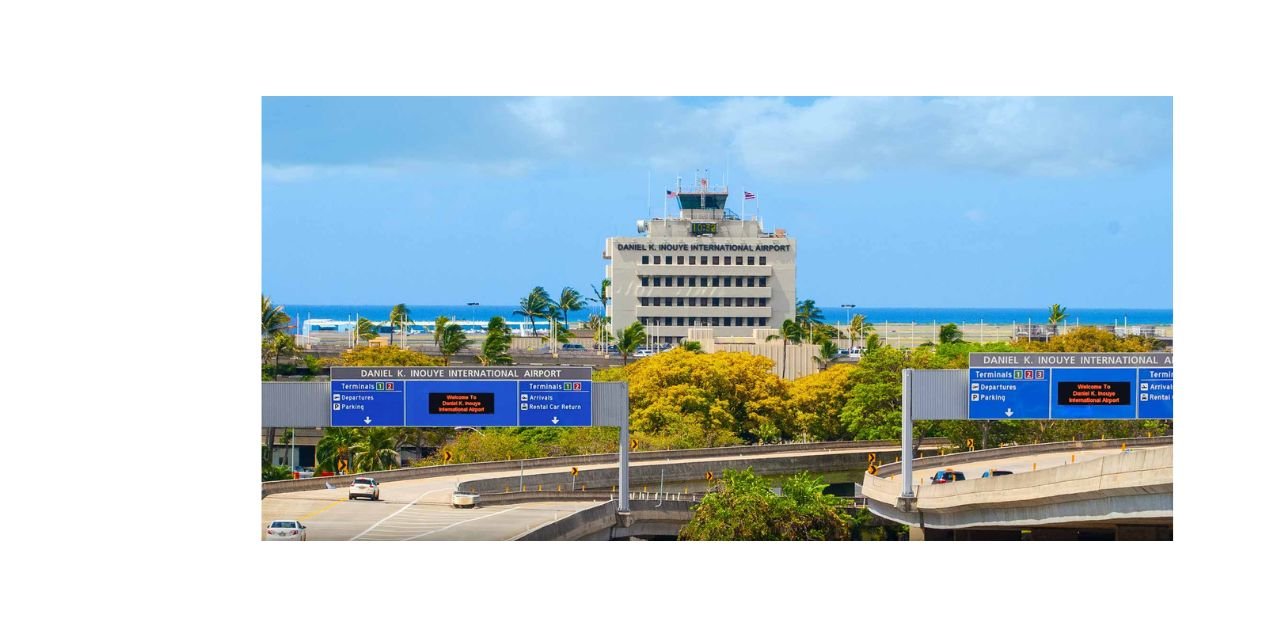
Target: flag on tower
<point>671,194</point>
<point>748,195</point>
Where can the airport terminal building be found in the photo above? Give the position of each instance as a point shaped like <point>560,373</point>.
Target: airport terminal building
<point>706,268</point>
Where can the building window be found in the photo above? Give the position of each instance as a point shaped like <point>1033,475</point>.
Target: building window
<point>715,301</point>
<point>668,320</point>
<point>668,301</point>
<point>751,281</point>
<point>751,261</point>
<point>680,260</point>
<point>739,283</point>
<point>715,260</point>
<point>703,281</point>
<point>680,320</point>
<point>738,302</point>
<point>704,301</point>
<point>668,259</point>
<point>657,259</point>
<point>668,284</point>
<point>644,281</point>
<point>763,283</point>
<point>715,282</point>
<point>762,260</point>
<point>704,260</point>
<point>738,321</point>
<point>751,302</point>
<point>739,262</point>
<point>679,301</point>
<point>764,302</point>
<point>680,281</point>
<point>644,259</point>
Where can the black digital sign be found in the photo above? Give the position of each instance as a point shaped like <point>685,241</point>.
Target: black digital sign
<point>460,402</point>
<point>704,228</point>
<point>1095,394</point>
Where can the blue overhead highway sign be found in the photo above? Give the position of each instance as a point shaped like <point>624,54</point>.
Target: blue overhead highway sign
<point>1071,386</point>
<point>506,396</point>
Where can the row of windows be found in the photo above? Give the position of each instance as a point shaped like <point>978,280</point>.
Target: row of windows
<point>705,321</point>
<point>705,282</point>
<point>715,260</point>
<point>705,301</point>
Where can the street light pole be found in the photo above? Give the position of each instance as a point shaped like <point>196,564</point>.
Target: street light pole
<point>848,322</point>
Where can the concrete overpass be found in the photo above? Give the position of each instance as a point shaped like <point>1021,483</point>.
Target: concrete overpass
<point>1059,491</point>
<point>416,503</point>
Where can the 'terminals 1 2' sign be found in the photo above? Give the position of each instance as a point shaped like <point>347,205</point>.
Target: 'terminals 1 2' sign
<point>1071,385</point>
<point>507,396</point>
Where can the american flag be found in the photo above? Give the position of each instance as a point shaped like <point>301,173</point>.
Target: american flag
<point>671,194</point>
<point>748,195</point>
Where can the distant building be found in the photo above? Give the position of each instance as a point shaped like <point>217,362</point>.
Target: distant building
<point>706,268</point>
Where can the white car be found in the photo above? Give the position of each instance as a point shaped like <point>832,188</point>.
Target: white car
<point>642,353</point>
<point>286,530</point>
<point>364,487</point>
<point>464,500</point>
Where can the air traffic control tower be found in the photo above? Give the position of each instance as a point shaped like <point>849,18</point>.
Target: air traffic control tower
<point>708,267</point>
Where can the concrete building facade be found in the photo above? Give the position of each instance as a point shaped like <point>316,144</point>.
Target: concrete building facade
<point>707,268</point>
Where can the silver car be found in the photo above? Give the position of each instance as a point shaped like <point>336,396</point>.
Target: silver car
<point>286,530</point>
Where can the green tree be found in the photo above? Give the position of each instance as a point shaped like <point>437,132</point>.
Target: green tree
<point>535,305</point>
<point>692,346</point>
<point>859,327</point>
<point>497,343</point>
<point>441,322</point>
<point>808,316</point>
<point>827,352</point>
<point>599,327</point>
<point>336,446</point>
<point>949,333</point>
<point>452,341</point>
<point>274,320</point>
<point>602,297</point>
<point>365,329</point>
<point>744,508</point>
<point>632,338</point>
<point>399,317</point>
<point>375,449</point>
<point>281,345</point>
<point>570,301</point>
<point>1057,314</point>
<point>790,332</point>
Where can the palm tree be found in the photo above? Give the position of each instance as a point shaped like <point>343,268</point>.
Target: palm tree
<point>535,305</point>
<point>949,333</point>
<point>452,341</point>
<point>375,450</point>
<point>365,330</point>
<point>872,343</point>
<point>441,322</point>
<point>631,339</point>
<point>570,301</point>
<point>274,320</point>
<point>808,314</point>
<point>859,325</point>
<point>399,318</point>
<point>790,331</point>
<point>602,297</point>
<point>282,344</point>
<point>497,343</point>
<point>337,445</point>
<point>827,352</point>
<point>1057,314</point>
<point>286,439</point>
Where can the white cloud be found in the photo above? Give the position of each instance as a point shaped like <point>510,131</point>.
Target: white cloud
<point>848,138</point>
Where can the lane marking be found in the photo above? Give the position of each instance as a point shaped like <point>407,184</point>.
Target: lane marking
<point>459,523</point>
<point>402,509</point>
<point>316,512</point>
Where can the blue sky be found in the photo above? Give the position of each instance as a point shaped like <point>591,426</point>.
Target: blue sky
<point>926,202</point>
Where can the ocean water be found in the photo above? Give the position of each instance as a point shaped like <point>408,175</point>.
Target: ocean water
<point>834,315</point>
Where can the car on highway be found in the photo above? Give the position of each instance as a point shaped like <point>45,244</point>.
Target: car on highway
<point>947,475</point>
<point>995,473</point>
<point>464,499</point>
<point>286,530</point>
<point>364,487</point>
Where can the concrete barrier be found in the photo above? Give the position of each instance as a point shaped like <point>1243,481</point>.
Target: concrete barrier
<point>412,473</point>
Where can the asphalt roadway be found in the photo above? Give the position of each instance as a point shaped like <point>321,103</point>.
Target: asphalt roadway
<point>1020,464</point>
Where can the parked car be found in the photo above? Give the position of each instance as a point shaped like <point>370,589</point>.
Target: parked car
<point>643,353</point>
<point>568,346</point>
<point>947,475</point>
<point>993,473</point>
<point>286,530</point>
<point>364,487</point>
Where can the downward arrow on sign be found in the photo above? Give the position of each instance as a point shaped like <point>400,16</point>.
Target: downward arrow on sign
<point>1008,411</point>
<point>555,420</point>
<point>367,420</point>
